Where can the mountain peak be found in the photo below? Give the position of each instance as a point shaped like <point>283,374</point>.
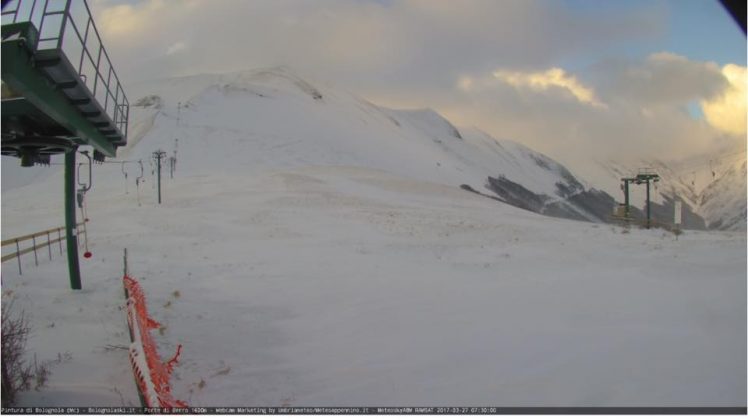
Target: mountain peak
<point>280,77</point>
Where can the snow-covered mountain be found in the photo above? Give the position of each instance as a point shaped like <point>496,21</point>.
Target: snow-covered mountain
<point>242,122</point>
<point>723,201</point>
<point>712,188</point>
<point>273,118</point>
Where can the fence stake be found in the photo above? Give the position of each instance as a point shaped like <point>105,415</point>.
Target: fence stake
<point>59,237</point>
<point>33,243</point>
<point>49,246</point>
<point>18,256</point>
<point>125,259</point>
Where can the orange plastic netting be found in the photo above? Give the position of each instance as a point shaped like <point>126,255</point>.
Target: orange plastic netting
<point>154,384</point>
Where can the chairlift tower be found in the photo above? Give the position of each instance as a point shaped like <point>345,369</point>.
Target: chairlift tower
<point>645,176</point>
<point>158,155</point>
<point>59,92</point>
<point>627,204</point>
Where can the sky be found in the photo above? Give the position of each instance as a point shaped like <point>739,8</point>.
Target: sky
<point>575,79</point>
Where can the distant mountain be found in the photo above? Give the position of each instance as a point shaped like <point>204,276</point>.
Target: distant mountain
<point>274,119</point>
<point>723,201</point>
<point>712,188</point>
<point>530,180</point>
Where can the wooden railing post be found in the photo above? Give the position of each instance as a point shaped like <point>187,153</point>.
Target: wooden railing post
<point>33,244</point>
<point>18,255</point>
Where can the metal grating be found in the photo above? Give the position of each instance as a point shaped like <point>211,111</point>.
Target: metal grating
<point>67,26</point>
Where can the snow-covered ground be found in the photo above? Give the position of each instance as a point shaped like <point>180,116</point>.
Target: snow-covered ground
<point>305,265</point>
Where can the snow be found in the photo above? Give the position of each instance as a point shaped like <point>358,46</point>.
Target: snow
<point>723,201</point>
<point>311,252</point>
<point>14,178</point>
<point>252,111</point>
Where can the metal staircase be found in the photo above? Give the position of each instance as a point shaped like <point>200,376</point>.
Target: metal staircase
<point>59,88</point>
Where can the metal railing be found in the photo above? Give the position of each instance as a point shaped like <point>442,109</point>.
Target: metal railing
<point>82,46</point>
<point>35,247</point>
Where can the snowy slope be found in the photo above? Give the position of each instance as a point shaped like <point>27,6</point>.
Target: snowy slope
<point>252,111</point>
<point>723,201</point>
<point>348,286</point>
<point>333,127</point>
<point>248,112</point>
<point>532,181</point>
<point>315,249</point>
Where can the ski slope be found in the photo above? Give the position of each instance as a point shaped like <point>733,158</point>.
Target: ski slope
<point>272,118</point>
<point>319,252</point>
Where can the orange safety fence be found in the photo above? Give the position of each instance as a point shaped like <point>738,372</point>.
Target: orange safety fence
<point>151,374</point>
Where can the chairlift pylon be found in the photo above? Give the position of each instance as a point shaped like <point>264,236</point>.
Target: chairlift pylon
<point>125,173</point>
<point>138,180</point>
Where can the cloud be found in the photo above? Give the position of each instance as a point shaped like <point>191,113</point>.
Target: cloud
<point>492,64</point>
<point>634,109</point>
<point>125,20</point>
<point>175,48</point>
<point>549,79</point>
<point>661,79</point>
<point>727,111</point>
<point>367,44</point>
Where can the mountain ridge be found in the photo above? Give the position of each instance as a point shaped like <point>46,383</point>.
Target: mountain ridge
<point>274,117</point>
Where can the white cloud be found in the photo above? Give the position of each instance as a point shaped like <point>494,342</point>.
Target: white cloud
<point>644,112</point>
<point>549,79</point>
<point>125,20</point>
<point>727,111</point>
<point>175,48</point>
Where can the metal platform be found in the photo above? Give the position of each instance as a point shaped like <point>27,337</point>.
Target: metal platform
<point>58,82</point>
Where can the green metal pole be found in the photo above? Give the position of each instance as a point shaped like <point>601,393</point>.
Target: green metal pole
<point>159,179</point>
<point>626,193</point>
<point>158,155</point>
<point>649,213</point>
<point>72,241</point>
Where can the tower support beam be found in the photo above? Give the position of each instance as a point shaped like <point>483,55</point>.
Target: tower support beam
<point>644,176</point>
<point>72,240</point>
<point>22,76</point>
